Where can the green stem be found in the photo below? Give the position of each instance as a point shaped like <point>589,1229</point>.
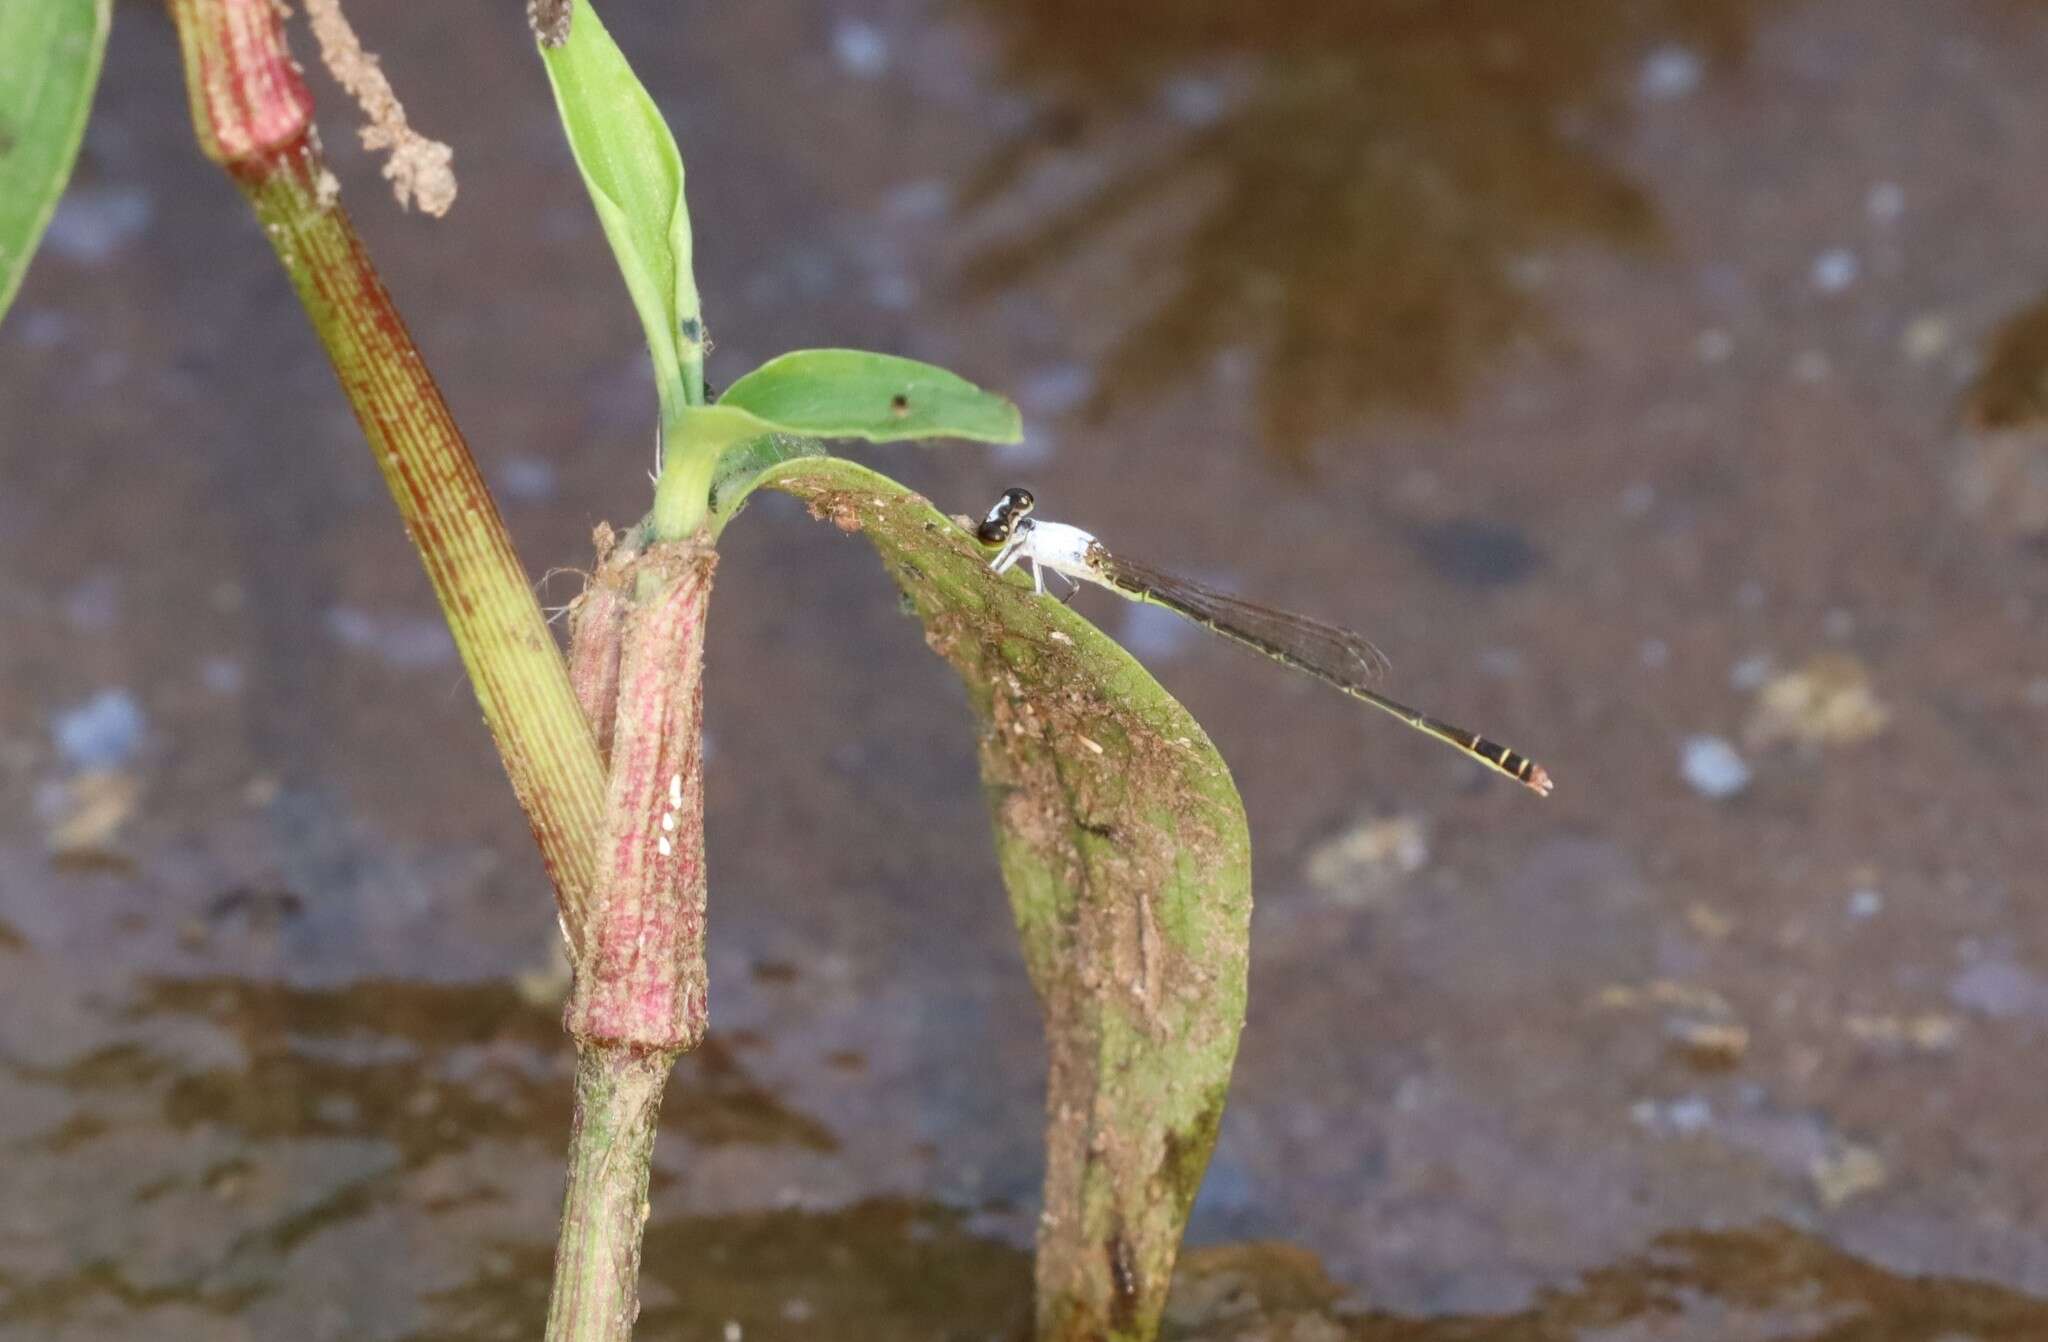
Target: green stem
<point>253,116</point>
<point>597,1262</point>
<point>682,498</point>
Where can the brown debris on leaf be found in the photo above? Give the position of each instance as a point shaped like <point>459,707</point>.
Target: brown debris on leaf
<point>418,168</point>
<point>840,509</point>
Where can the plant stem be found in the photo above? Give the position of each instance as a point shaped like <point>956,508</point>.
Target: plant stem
<point>642,979</point>
<point>639,997</point>
<point>253,116</point>
<point>682,498</point>
<point>611,1145</point>
<point>626,851</point>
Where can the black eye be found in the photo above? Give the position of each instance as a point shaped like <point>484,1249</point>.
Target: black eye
<point>1004,519</point>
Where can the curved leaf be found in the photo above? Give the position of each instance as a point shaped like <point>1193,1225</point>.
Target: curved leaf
<point>850,393</point>
<point>1123,844</point>
<point>630,163</point>
<point>52,50</point>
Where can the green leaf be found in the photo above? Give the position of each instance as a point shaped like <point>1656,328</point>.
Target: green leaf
<point>1123,844</point>
<point>850,393</point>
<point>780,410</point>
<point>52,50</point>
<point>630,163</point>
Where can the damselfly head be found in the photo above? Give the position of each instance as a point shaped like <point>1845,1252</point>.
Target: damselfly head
<point>1001,522</point>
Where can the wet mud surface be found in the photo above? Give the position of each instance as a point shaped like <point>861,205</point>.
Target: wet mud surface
<point>1660,385</point>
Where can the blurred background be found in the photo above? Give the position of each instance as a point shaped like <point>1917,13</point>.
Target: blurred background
<point>1657,381</point>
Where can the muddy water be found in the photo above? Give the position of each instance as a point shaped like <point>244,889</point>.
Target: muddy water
<point>1658,383</point>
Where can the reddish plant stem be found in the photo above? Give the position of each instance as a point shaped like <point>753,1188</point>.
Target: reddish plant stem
<point>253,116</point>
<point>642,982</point>
<point>639,997</point>
<point>627,862</point>
<point>596,620</point>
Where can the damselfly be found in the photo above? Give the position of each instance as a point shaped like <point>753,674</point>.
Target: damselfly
<point>1335,656</point>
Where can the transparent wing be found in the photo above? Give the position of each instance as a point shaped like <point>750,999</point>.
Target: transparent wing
<point>1337,655</point>
<point>1330,654</point>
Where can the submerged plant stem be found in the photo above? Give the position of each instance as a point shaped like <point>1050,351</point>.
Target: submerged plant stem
<point>253,116</point>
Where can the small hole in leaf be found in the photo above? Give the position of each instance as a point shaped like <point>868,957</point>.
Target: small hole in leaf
<point>899,405</point>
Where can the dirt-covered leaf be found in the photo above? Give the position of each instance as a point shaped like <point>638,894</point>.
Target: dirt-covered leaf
<point>50,52</point>
<point>1123,844</point>
<point>630,162</point>
<point>850,393</point>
